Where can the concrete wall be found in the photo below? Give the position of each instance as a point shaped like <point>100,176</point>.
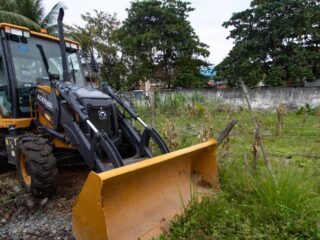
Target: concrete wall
<point>312,84</point>
<point>261,98</point>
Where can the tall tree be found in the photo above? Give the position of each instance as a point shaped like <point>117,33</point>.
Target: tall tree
<point>97,39</point>
<point>276,41</point>
<point>162,44</point>
<point>30,13</point>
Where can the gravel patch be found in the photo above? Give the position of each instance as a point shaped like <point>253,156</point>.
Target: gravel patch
<point>24,217</point>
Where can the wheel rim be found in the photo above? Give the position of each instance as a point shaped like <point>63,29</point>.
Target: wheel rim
<point>24,170</point>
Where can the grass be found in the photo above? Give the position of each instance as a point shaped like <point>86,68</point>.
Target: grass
<point>251,205</point>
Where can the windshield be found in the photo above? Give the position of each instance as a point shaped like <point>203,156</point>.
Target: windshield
<point>29,65</point>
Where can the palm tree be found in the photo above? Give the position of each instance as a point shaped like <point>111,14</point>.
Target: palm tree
<point>29,13</point>
<point>14,18</point>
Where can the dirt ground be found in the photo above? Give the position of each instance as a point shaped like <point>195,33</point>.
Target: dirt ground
<point>24,217</point>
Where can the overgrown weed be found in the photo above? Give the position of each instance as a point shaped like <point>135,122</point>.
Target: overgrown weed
<point>250,205</point>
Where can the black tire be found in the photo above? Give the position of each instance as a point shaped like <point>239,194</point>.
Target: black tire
<point>36,166</point>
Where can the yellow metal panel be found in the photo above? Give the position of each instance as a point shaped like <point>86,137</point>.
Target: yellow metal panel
<point>88,208</point>
<point>18,122</point>
<point>139,200</point>
<point>43,121</point>
<point>59,144</point>
<point>37,34</point>
<point>3,25</point>
<point>45,88</point>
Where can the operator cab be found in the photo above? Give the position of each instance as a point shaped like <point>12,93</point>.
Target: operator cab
<point>23,58</point>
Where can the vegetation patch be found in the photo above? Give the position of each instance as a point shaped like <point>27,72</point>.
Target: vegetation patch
<point>251,205</point>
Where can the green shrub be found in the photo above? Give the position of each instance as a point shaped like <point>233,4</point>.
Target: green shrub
<point>197,97</point>
<point>251,205</point>
<point>172,102</point>
<point>197,109</point>
<point>254,207</point>
<point>307,109</point>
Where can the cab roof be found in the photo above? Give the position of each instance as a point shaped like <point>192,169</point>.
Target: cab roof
<point>43,34</point>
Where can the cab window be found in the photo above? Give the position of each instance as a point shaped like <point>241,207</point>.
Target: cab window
<point>5,104</point>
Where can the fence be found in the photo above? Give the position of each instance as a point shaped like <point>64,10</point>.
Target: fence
<point>261,98</point>
<point>291,131</point>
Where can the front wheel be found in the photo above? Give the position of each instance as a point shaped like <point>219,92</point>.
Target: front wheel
<point>36,166</point>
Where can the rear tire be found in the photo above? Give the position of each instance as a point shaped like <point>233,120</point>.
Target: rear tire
<point>36,166</point>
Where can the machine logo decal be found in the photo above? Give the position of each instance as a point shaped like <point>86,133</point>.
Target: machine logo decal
<point>102,114</point>
<point>44,101</point>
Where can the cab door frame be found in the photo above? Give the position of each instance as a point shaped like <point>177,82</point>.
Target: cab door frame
<point>9,72</point>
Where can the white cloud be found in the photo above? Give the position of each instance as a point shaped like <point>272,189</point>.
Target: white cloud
<point>207,19</point>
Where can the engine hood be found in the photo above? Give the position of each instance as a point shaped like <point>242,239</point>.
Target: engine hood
<point>89,93</point>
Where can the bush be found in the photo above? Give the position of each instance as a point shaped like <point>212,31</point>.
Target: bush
<point>307,109</point>
<point>251,205</point>
<point>254,207</point>
<point>172,102</point>
<point>197,109</point>
<point>197,97</point>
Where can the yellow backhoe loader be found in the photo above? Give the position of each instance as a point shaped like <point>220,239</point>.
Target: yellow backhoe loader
<point>49,117</point>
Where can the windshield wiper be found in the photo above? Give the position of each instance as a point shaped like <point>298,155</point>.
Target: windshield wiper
<point>73,71</point>
<point>44,59</point>
<point>46,65</point>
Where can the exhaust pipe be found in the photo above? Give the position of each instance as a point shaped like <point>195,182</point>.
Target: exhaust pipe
<point>63,46</point>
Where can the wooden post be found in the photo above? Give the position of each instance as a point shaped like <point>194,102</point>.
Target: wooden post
<point>153,106</point>
<point>225,133</point>
<point>256,127</point>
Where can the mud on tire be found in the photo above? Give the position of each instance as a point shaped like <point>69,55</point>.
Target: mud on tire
<point>36,166</point>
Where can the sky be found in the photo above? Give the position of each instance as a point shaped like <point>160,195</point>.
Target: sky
<point>207,18</point>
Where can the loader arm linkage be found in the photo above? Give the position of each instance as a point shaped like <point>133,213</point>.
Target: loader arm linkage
<point>147,133</point>
<point>87,137</point>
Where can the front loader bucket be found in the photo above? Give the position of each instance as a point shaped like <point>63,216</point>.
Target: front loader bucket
<point>138,201</point>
